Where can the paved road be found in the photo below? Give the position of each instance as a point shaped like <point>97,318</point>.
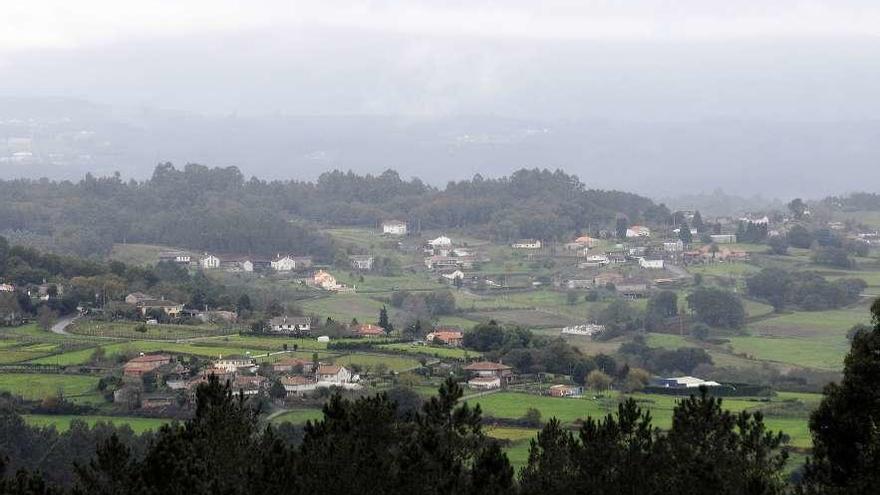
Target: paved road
<point>60,327</point>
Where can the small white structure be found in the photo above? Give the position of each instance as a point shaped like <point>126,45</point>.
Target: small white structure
<point>363,262</point>
<point>527,244</point>
<point>685,382</point>
<point>394,227</point>
<point>283,264</point>
<point>7,288</point>
<point>209,262</point>
<point>484,382</point>
<point>651,264</point>
<point>588,330</point>
<point>323,338</point>
<point>638,231</point>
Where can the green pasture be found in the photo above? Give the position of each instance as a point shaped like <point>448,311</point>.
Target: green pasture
<point>344,307</point>
<point>368,361</point>
<point>62,422</point>
<point>131,330</point>
<point>36,386</point>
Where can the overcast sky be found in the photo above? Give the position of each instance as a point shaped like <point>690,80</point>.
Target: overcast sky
<point>638,59</point>
<point>655,96</point>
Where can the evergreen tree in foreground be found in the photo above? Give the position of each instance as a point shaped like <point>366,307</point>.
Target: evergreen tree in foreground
<point>846,426</point>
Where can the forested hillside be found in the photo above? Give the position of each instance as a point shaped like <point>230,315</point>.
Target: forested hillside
<point>217,209</point>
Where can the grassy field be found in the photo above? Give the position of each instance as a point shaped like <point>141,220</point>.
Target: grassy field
<point>62,423</point>
<point>131,330</point>
<point>424,350</point>
<point>525,318</point>
<point>568,410</point>
<point>33,386</point>
<point>369,361</point>
<point>138,254</point>
<point>344,307</point>
<point>298,416</point>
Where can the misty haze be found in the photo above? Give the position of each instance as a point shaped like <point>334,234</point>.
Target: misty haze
<point>424,247</point>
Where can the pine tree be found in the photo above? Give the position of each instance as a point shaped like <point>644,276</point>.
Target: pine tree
<point>684,233</point>
<point>846,435</point>
<point>384,322</point>
<point>697,221</point>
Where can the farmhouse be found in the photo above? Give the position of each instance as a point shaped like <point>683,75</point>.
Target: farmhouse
<point>369,330</point>
<point>249,384</point>
<point>332,374</point>
<point>450,262</point>
<point>178,257</point>
<point>237,264</point>
<point>455,274</point>
<point>157,401</point>
<point>488,375</point>
<point>448,337</point>
<point>325,281</point>
<point>673,246</point>
<point>527,244</point>
<point>566,391</point>
<point>209,262</point>
<point>362,262</point>
<point>585,241</point>
<point>440,242</point>
<point>651,264</point>
<point>234,364</point>
<point>684,382</point>
<point>288,263</point>
<point>141,365</point>
<point>170,308</point>
<point>587,329</point>
<point>291,324</point>
<point>136,298</point>
<point>7,288</point>
<point>288,365</point>
<point>394,227</point>
<point>298,385</point>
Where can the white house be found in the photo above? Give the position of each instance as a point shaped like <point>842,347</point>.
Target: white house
<point>290,324</point>
<point>651,264</point>
<point>527,244</point>
<point>209,262</point>
<point>232,365</point>
<point>638,231</point>
<point>7,288</point>
<point>363,262</point>
<point>394,227</point>
<point>289,263</point>
<point>440,242</point>
<point>454,275</point>
<point>333,374</point>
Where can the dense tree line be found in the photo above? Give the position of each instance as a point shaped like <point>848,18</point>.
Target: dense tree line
<point>717,307</point>
<point>805,290</point>
<point>530,353</point>
<point>216,209</point>
<point>90,283</point>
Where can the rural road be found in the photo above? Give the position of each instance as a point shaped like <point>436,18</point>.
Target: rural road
<point>60,327</point>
